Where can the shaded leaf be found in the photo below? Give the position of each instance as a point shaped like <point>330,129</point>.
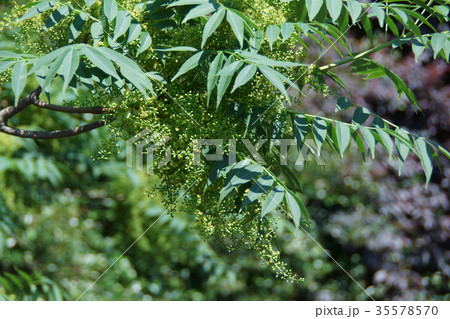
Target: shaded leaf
<point>259,188</point>
<point>301,128</point>
<point>77,25</point>
<point>273,200</point>
<point>38,9</point>
<point>57,15</point>
<point>319,128</point>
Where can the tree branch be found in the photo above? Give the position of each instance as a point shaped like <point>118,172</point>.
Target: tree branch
<point>72,109</point>
<point>45,135</point>
<point>33,99</point>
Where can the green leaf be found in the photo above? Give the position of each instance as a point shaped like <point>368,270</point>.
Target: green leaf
<point>178,48</point>
<point>57,15</point>
<point>286,30</point>
<point>237,25</point>
<point>343,136</point>
<point>272,201</point>
<point>379,12</point>
<point>386,141</point>
<point>76,26</point>
<point>298,210</point>
<point>45,60</point>
<point>244,76</point>
<point>218,170</point>
<point>376,70</point>
<point>360,115</point>
<point>272,32</point>
<point>418,47</point>
<point>273,77</point>
<point>392,26</point>
<point>156,76</point>
<point>319,128</point>
<point>120,59</point>
<point>425,154</point>
<point>437,43</point>
<point>96,32</point>
<point>191,63</point>
<point>39,8</point>
<point>123,22</point>
<point>145,40</point>
<point>313,7</point>
<point>53,70</point>
<point>443,10</point>
<point>68,67</point>
<point>402,149</point>
<point>133,31</point>
<point>300,10</point>
<point>443,150</point>
<point>186,3</point>
<point>5,65</point>
<point>100,61</point>
<point>256,40</point>
<point>200,11</point>
<point>334,8</point>
<point>225,79</point>
<point>259,188</point>
<point>261,59</point>
<point>139,80</point>
<point>212,74</point>
<point>90,2</point>
<point>18,80</point>
<point>343,104</point>
<point>367,26</point>
<point>212,24</point>
<point>370,140</point>
<point>233,67</point>
<point>110,9</point>
<point>301,128</point>
<point>355,9</point>
<point>254,118</point>
<point>359,142</point>
<point>240,174</point>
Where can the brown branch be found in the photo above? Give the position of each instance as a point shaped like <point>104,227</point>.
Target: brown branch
<point>72,109</point>
<point>33,99</point>
<point>10,111</point>
<point>45,135</point>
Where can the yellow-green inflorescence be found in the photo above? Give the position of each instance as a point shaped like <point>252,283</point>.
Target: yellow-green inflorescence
<point>180,111</point>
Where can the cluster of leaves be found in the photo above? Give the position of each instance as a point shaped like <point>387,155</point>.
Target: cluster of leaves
<point>247,51</point>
